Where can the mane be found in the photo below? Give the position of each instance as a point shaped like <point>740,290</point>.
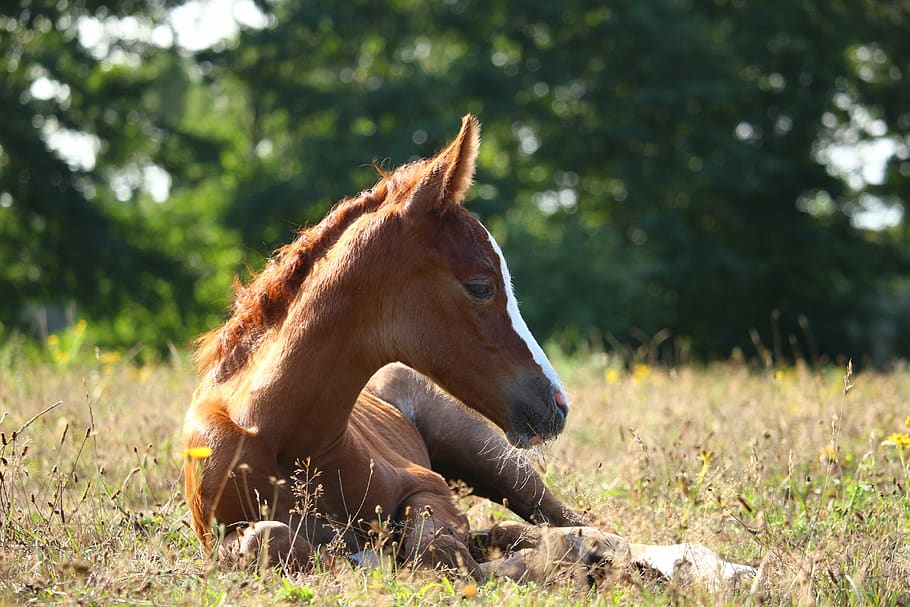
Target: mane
<point>264,302</point>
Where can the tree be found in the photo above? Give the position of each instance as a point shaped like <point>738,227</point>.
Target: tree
<point>648,165</point>
<point>82,129</point>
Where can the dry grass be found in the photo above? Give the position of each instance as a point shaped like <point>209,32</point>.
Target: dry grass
<point>783,470</point>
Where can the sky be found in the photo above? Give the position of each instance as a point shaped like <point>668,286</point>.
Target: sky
<point>201,23</point>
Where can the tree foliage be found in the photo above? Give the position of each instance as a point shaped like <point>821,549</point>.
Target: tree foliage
<point>81,129</point>
<point>650,168</point>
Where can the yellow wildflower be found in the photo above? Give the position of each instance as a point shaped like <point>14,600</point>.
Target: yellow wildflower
<point>53,341</point>
<point>640,372</point>
<point>142,374</point>
<point>907,421</point>
<point>785,375</point>
<point>108,358</point>
<point>899,440</point>
<point>828,454</point>
<point>198,452</point>
<point>612,376</point>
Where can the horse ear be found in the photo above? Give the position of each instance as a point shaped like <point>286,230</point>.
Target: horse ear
<point>450,173</point>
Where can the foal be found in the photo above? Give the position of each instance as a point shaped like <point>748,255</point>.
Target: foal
<point>402,273</point>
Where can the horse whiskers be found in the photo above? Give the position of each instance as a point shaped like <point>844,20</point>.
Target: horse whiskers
<point>488,446</point>
<point>509,457</point>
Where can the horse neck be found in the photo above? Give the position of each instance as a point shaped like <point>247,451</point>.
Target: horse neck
<point>307,376</point>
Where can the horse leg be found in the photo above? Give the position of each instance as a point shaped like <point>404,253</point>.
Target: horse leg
<point>463,446</point>
<point>541,552</point>
<point>434,533</point>
<point>466,447</point>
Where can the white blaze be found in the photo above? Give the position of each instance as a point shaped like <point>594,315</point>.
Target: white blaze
<point>519,324</point>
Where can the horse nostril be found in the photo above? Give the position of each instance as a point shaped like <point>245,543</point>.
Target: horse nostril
<point>562,403</point>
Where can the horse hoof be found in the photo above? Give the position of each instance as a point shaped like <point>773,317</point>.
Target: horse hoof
<point>693,563</point>
<point>587,546</point>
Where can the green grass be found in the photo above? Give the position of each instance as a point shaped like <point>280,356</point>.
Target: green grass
<point>783,470</point>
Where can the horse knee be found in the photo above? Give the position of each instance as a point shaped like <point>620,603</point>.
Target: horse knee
<point>268,544</point>
<point>395,382</point>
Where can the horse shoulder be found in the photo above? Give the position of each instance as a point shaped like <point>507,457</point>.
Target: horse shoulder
<point>216,445</point>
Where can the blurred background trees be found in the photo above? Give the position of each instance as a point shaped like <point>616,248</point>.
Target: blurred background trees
<point>686,175</point>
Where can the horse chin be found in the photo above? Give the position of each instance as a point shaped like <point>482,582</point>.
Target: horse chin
<point>523,440</point>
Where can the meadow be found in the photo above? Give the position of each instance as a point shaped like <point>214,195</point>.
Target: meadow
<point>801,471</point>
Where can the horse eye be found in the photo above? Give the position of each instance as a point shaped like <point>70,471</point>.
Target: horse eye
<point>480,289</point>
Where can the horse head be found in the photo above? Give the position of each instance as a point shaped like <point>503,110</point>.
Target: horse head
<point>449,309</point>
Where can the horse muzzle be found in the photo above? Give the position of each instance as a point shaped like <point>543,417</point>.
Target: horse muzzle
<point>538,414</point>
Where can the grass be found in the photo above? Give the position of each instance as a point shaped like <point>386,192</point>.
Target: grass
<point>787,469</point>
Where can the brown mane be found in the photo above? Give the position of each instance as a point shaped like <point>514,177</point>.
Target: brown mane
<point>264,302</point>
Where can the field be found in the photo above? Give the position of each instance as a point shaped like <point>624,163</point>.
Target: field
<point>802,472</point>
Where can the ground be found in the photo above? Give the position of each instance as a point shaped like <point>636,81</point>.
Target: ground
<point>799,470</point>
